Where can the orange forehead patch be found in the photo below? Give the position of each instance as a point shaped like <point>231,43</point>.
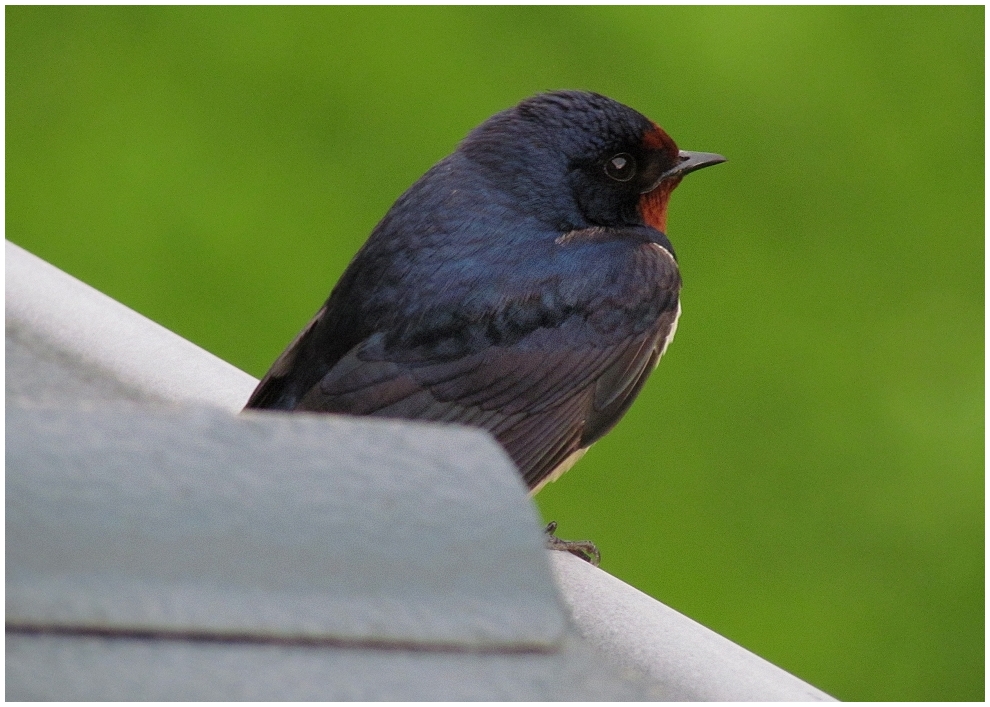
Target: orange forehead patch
<point>657,139</point>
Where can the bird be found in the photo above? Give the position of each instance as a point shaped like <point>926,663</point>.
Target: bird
<point>524,285</point>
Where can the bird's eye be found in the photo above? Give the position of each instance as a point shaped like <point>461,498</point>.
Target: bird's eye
<point>621,167</point>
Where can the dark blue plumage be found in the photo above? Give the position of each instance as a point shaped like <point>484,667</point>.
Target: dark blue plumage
<point>523,285</point>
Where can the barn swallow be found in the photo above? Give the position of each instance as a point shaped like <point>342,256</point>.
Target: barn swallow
<point>524,285</point>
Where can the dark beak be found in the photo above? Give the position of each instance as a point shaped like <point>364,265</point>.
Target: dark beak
<point>689,162</point>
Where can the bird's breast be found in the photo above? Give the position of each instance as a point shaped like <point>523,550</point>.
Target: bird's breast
<point>669,336</point>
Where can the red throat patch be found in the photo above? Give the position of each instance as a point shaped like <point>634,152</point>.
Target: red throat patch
<point>653,205</point>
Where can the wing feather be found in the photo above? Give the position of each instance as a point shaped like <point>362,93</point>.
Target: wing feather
<point>544,396</point>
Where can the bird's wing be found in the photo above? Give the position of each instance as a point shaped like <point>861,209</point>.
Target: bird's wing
<point>544,396</point>
<point>267,392</point>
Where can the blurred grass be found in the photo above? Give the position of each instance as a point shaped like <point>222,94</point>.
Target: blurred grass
<point>804,473</point>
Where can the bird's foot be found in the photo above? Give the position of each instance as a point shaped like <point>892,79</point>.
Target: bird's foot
<point>585,549</point>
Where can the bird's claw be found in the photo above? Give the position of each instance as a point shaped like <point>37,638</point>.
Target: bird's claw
<point>585,549</point>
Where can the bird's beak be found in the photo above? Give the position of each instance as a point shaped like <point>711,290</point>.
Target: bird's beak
<point>689,162</point>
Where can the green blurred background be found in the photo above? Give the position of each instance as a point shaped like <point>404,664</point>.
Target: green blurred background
<point>804,472</point>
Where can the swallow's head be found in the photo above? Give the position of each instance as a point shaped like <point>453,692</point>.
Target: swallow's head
<point>576,159</point>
